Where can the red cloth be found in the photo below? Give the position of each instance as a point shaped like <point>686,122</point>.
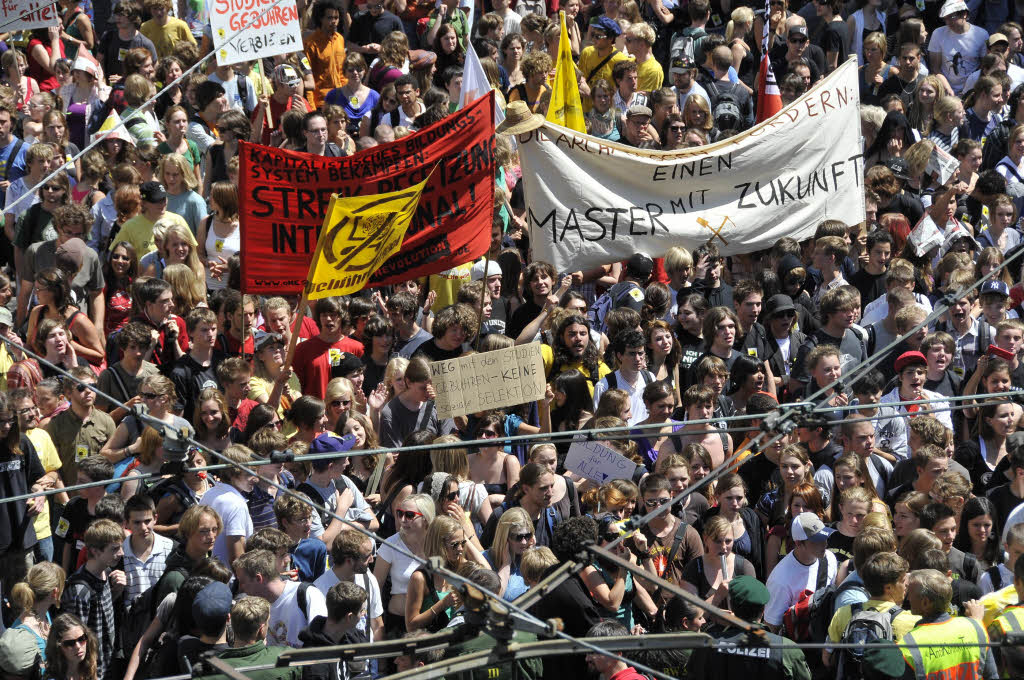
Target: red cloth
<point>228,344</point>
<point>47,81</point>
<point>628,673</point>
<point>658,275</point>
<point>162,354</point>
<point>240,414</point>
<point>277,109</point>
<point>314,359</point>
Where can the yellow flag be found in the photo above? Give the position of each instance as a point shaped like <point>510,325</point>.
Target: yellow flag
<point>565,108</point>
<point>358,235</point>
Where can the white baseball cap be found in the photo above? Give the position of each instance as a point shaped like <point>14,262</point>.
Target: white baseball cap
<point>478,270</point>
<point>951,7</point>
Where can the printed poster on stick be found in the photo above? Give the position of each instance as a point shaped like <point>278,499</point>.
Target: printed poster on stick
<point>593,202</point>
<point>478,382</point>
<point>287,195</point>
<point>598,462</point>
<point>269,29</point>
<point>24,15</point>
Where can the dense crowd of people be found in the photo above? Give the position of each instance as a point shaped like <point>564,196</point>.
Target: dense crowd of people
<point>892,511</point>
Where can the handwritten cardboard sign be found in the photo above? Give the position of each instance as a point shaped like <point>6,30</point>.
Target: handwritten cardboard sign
<point>478,382</point>
<point>598,462</point>
<point>266,30</point>
<point>23,15</point>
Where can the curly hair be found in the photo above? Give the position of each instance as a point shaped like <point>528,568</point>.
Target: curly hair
<point>591,358</point>
<point>571,536</point>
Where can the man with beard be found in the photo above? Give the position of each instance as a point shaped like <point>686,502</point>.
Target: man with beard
<point>351,555</point>
<point>572,349</point>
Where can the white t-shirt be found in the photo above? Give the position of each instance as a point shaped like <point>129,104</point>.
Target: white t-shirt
<point>286,618</point>
<point>790,578</point>
<point>231,91</point>
<point>402,566</point>
<point>374,606</point>
<point>234,512</point>
<point>961,53</point>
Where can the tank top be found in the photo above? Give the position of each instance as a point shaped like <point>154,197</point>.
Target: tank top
<point>220,247</point>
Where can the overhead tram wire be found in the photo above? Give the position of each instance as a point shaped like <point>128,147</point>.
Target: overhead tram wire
<point>431,565</point>
<point>784,422</point>
<point>167,87</point>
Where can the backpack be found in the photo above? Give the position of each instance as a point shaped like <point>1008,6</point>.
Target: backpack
<point>996,577</point>
<point>136,620</point>
<point>865,627</point>
<point>727,112</point>
<point>606,303</point>
<point>686,45</point>
<point>802,621</point>
<point>613,382</point>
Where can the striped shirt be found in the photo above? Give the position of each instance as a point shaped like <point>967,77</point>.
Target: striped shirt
<point>88,597</point>
<point>141,574</point>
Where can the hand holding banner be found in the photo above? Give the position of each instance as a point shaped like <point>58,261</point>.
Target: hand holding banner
<point>477,382</point>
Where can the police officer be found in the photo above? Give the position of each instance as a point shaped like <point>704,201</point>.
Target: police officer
<point>1012,618</point>
<point>734,657</point>
<point>930,592</point>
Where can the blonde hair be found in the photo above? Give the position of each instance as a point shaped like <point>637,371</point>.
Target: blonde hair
<point>425,504</point>
<point>395,368</point>
<point>440,530</point>
<point>452,460</point>
<point>38,585</point>
<point>740,15</point>
<point>535,562</point>
<point>187,173</point>
<point>247,615</point>
<point>513,518</point>
<point>188,289</point>
<point>172,227</point>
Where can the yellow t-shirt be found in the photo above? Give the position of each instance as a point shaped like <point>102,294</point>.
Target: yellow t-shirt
<point>901,625</point>
<point>260,389</point>
<point>589,59</point>
<point>139,232</point>
<point>164,37</point>
<point>6,361</point>
<point>548,356</point>
<point>649,76</point>
<point>50,460</point>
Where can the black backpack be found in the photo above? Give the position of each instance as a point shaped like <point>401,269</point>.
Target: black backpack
<point>137,618</point>
<point>866,626</point>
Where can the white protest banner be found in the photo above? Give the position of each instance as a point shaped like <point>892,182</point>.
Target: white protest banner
<point>478,382</point>
<point>23,15</point>
<point>598,462</point>
<point>265,35</point>
<point>594,202</point>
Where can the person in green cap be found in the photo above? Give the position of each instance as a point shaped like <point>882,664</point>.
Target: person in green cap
<point>735,657</point>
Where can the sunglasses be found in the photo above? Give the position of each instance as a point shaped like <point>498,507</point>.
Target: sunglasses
<point>408,514</point>
<point>150,395</point>
<point>52,188</point>
<point>488,434</point>
<point>677,128</point>
<point>455,545</point>
<point>453,496</point>
<point>798,41</point>
<point>83,388</point>
<point>521,537</point>
<point>70,644</point>
<point>656,502</point>
<point>338,403</point>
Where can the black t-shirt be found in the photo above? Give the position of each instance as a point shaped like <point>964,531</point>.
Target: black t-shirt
<point>841,545</point>
<point>190,378</point>
<point>871,286</point>
<point>17,475</point>
<point>1004,500</point>
<point>948,385</point>
<point>373,374</point>
<point>191,648</point>
<point>896,86</point>
<point>497,322</point>
<point>431,352</point>
<point>527,312</point>
<point>367,28</point>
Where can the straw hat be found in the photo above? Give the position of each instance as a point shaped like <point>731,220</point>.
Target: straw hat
<point>519,119</point>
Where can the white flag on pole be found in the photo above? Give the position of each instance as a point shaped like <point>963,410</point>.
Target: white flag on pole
<point>475,84</point>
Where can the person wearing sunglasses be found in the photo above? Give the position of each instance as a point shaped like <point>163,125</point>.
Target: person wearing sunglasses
<point>413,515</point>
<point>159,397</point>
<point>490,465</point>
<point>666,544</point>
<point>614,589</point>
<point>783,337</point>
<point>513,537</point>
<point>431,601</point>
<point>71,650</point>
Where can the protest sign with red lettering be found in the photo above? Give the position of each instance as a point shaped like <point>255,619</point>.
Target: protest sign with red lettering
<point>285,194</point>
<point>23,15</point>
<point>267,29</point>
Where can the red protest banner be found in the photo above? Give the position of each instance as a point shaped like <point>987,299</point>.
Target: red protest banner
<point>285,195</point>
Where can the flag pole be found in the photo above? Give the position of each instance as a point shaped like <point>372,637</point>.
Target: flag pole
<point>483,294</point>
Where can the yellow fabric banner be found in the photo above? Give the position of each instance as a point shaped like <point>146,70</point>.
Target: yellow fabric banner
<point>358,235</point>
<point>565,108</point>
